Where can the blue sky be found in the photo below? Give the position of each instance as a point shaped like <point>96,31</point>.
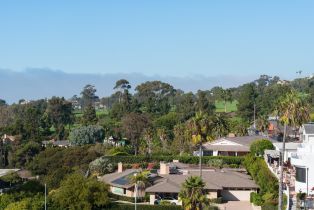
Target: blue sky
<point>164,37</point>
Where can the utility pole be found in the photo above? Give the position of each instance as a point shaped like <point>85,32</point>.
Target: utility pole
<point>281,160</point>
<point>200,160</point>
<point>135,191</point>
<point>254,115</point>
<point>45,196</point>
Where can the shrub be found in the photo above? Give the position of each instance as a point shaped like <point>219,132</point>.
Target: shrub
<point>259,171</point>
<point>259,146</point>
<point>125,198</point>
<point>146,207</point>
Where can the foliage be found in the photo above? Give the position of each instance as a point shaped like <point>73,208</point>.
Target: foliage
<point>247,100</point>
<point>264,178</point>
<point>29,194</point>
<point>259,146</point>
<point>146,207</point>
<point>227,160</point>
<point>133,125</point>
<point>89,115</point>
<point>25,154</point>
<point>60,113</point>
<point>192,193</point>
<point>77,192</point>
<point>86,135</point>
<point>101,166</point>
<point>53,164</point>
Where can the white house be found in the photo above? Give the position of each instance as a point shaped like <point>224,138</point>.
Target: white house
<point>230,146</point>
<point>303,160</point>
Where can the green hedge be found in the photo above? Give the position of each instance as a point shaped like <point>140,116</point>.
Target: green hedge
<point>144,207</point>
<point>153,207</point>
<point>267,182</point>
<point>125,198</point>
<point>226,160</point>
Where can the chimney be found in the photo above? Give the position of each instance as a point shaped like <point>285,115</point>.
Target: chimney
<point>120,167</point>
<point>164,168</point>
<point>231,135</point>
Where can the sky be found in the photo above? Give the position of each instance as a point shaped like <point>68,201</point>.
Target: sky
<point>161,37</point>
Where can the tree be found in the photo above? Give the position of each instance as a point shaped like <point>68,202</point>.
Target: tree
<point>259,146</point>
<point>182,139</point>
<point>87,135</point>
<point>133,125</point>
<point>12,178</point>
<point>225,95</point>
<point>193,193</point>
<point>88,95</point>
<point>203,104</point>
<point>220,125</point>
<point>140,180</point>
<point>262,123</point>
<point>25,154</point>
<point>60,113</point>
<point>293,109</point>
<point>89,115</point>
<point>185,106</point>
<point>155,96</point>
<point>77,192</point>
<point>201,128</point>
<point>247,102</point>
<point>2,102</point>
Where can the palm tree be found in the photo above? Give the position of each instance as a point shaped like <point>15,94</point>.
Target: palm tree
<point>192,193</point>
<point>293,110</point>
<point>201,128</point>
<point>140,181</point>
<point>262,123</point>
<point>220,125</point>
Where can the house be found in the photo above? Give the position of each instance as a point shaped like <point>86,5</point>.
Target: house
<point>230,146</point>
<point>7,138</point>
<point>56,143</point>
<point>120,182</point>
<point>290,148</point>
<point>303,160</point>
<point>231,185</point>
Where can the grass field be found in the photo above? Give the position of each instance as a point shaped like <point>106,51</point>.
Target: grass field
<point>99,112</point>
<point>231,107</point>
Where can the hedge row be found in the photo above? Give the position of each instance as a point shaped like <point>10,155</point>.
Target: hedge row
<point>268,183</point>
<point>128,199</point>
<point>153,207</point>
<point>226,160</point>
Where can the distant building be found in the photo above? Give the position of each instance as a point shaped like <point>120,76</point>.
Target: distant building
<point>303,160</point>
<point>230,146</point>
<point>56,143</point>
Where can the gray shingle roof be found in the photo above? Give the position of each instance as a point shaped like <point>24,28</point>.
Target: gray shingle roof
<point>119,179</point>
<point>214,180</point>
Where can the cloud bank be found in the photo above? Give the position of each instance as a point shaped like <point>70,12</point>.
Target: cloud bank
<point>34,84</point>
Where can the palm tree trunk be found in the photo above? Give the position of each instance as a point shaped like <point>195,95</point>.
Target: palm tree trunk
<point>225,106</point>
<point>282,157</point>
<point>200,161</point>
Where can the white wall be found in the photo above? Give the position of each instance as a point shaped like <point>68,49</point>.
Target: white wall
<point>236,195</point>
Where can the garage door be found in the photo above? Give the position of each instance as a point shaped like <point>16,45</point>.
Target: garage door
<point>236,195</point>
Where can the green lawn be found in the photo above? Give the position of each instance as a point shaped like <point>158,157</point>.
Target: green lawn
<point>231,107</point>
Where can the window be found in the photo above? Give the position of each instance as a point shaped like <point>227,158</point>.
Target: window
<point>300,174</point>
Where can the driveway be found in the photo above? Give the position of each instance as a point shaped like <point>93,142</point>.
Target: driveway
<point>235,205</point>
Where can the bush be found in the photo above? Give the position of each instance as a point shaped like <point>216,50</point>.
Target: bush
<point>86,135</point>
<point>216,200</point>
<point>125,198</point>
<point>268,184</point>
<point>224,160</point>
<point>259,146</point>
<point>146,207</point>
